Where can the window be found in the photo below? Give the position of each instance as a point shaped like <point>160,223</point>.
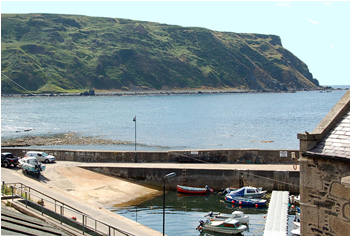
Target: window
<point>238,224</point>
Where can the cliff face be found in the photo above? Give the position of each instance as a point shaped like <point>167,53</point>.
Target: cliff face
<point>62,53</point>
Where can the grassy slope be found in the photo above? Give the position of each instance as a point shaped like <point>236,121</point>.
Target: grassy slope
<point>66,53</point>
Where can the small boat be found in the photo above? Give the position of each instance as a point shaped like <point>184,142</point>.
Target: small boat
<point>30,165</point>
<point>247,192</point>
<point>236,215</point>
<point>246,201</point>
<point>193,190</point>
<point>294,199</point>
<point>296,225</point>
<point>296,232</point>
<point>229,226</point>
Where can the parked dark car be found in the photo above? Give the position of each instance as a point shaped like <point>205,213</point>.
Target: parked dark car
<point>8,159</point>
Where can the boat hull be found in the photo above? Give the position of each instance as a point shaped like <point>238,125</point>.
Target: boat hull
<point>247,192</point>
<point>222,230</point>
<point>242,219</point>
<point>229,226</point>
<point>246,201</point>
<point>191,190</point>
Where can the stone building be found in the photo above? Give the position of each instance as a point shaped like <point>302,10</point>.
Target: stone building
<point>325,174</point>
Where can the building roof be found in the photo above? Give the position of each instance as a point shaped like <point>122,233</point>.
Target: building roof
<point>337,143</point>
<point>334,131</point>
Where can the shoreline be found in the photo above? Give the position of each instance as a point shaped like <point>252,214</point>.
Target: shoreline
<point>170,92</point>
<point>59,139</point>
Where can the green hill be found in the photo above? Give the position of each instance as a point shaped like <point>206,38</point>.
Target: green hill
<point>49,53</point>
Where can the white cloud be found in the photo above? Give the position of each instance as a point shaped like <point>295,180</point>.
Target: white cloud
<point>328,3</point>
<point>314,22</point>
<point>332,46</point>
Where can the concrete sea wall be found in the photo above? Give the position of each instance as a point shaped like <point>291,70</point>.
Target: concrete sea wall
<point>216,178</point>
<point>229,156</point>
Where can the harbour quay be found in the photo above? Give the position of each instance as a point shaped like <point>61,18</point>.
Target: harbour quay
<point>269,169</point>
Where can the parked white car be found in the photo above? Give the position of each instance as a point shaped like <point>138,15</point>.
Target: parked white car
<point>41,156</point>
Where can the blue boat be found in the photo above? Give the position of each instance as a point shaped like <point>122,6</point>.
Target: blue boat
<point>247,192</point>
<point>245,201</point>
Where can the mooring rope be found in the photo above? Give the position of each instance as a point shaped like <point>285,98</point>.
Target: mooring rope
<point>243,172</point>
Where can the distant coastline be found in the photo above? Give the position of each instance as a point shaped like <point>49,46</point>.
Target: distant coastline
<point>177,92</point>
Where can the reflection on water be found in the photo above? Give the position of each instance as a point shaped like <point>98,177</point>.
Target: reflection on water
<point>183,212</point>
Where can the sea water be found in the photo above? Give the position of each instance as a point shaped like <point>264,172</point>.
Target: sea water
<point>202,121</point>
<point>173,122</point>
<point>183,212</point>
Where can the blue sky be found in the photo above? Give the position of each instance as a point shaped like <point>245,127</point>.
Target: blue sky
<point>316,32</point>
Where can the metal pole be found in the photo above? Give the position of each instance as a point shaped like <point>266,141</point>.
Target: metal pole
<point>42,206</point>
<point>135,140</point>
<point>83,225</point>
<point>61,212</point>
<point>163,206</point>
<point>172,174</point>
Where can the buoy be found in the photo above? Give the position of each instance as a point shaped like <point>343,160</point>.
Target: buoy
<point>240,202</point>
<point>256,205</point>
<point>233,201</point>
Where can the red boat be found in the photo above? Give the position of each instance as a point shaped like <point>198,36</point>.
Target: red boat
<point>193,190</point>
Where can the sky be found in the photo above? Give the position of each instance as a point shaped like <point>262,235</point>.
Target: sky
<point>317,32</point>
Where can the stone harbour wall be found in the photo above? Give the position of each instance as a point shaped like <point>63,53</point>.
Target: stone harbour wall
<point>325,198</point>
<point>229,156</point>
<point>215,179</point>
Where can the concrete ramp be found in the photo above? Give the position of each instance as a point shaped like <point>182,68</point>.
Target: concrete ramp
<point>277,215</point>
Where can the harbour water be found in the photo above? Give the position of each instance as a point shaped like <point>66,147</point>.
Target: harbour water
<point>215,121</point>
<point>175,122</point>
<point>183,213</point>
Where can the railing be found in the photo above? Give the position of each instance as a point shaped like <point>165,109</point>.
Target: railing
<point>66,214</point>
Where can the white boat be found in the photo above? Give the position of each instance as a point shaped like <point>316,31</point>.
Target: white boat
<point>296,232</point>
<point>294,199</point>
<point>236,215</point>
<point>247,192</point>
<point>296,225</point>
<point>229,226</point>
<point>30,165</point>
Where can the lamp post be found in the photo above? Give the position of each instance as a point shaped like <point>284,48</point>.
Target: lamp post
<point>135,139</point>
<point>172,174</point>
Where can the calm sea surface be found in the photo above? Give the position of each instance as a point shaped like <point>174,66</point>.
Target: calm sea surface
<point>174,122</point>
<point>217,121</point>
<point>183,212</point>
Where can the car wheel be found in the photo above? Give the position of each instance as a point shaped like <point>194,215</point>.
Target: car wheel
<point>6,164</point>
<point>46,161</point>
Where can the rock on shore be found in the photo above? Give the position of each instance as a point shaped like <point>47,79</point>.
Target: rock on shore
<point>63,139</point>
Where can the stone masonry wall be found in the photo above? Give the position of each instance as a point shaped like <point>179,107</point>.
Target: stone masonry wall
<point>230,156</point>
<point>216,179</point>
<point>325,208</point>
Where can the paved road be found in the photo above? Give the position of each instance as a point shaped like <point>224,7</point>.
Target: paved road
<point>265,167</point>
<point>48,186</point>
<point>90,192</point>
